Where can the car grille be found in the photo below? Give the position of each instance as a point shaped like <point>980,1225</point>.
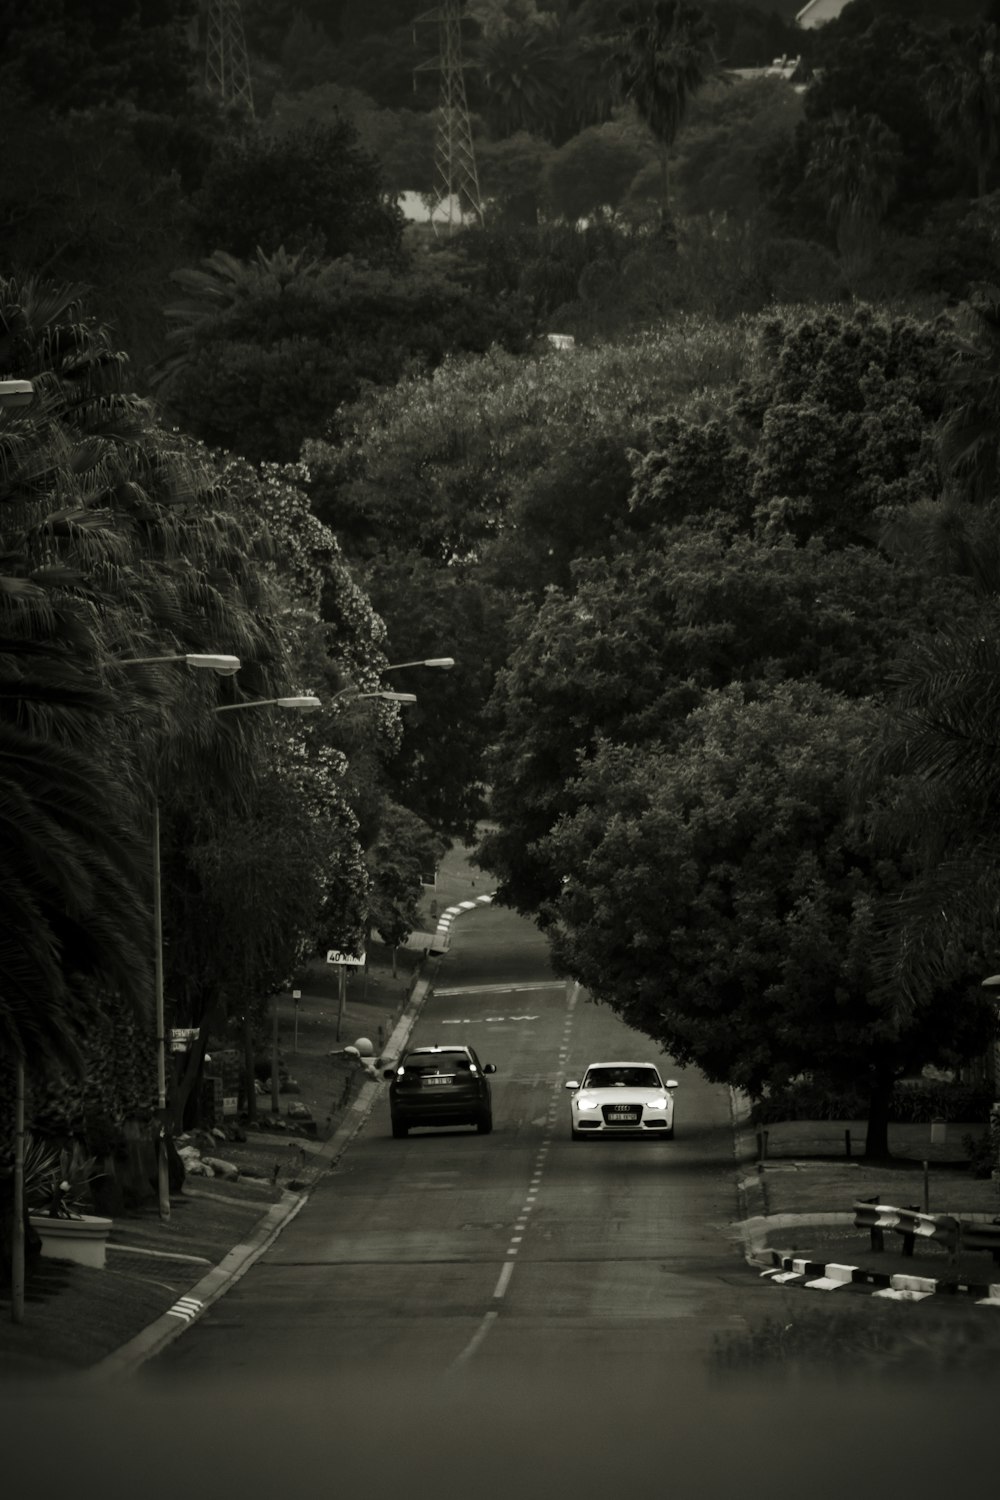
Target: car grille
<point>616,1114</point>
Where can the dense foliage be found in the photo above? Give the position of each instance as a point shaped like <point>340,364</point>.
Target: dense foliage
<point>720,580</point>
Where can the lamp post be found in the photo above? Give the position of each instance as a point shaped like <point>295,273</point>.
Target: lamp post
<point>13,394</point>
<point>303,703</point>
<point>223,666</point>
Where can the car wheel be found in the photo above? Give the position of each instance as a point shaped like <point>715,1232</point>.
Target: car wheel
<point>668,1134</point>
<point>577,1135</point>
<point>484,1123</point>
<point>399,1129</point>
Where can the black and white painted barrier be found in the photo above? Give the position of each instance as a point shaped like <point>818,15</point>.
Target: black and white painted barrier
<point>820,1276</point>
<point>443,934</point>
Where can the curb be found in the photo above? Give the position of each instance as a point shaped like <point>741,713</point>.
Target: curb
<point>157,1335</point>
<point>831,1276</point>
<point>188,1309</point>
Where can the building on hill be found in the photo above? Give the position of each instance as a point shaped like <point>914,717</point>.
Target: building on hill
<point>818,12</point>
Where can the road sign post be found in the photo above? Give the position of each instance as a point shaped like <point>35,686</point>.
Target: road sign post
<point>344,961</point>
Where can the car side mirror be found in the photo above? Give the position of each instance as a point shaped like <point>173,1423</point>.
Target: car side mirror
<point>671,1083</point>
<point>489,1067</point>
<point>572,1084</point>
<point>388,1072</point>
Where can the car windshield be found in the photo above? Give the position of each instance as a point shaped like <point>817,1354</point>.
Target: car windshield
<point>437,1062</point>
<point>629,1078</point>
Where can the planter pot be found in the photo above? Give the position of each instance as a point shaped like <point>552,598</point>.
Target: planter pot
<point>82,1240</point>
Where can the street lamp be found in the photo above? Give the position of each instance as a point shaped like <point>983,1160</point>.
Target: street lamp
<point>444,662</point>
<point>303,703</point>
<point>223,666</point>
<point>16,393</point>
<point>382,693</point>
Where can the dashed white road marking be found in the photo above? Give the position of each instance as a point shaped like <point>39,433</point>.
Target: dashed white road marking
<point>534,1186</point>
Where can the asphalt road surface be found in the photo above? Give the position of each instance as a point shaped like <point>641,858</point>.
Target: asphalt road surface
<point>449,1252</point>
<point>513,1315</point>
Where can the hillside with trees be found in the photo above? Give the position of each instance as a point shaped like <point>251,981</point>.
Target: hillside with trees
<point>720,576</point>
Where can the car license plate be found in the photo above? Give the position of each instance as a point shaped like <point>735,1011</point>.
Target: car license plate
<point>436,1079</point>
<point>623,1116</point>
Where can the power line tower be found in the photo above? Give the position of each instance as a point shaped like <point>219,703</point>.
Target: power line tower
<point>457,181</point>
<point>227,67</point>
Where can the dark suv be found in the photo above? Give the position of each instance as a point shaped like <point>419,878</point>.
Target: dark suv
<point>440,1086</point>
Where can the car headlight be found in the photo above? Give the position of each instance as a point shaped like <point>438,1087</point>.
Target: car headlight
<point>660,1103</point>
<point>588,1104</point>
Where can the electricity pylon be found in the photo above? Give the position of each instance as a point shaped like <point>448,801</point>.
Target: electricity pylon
<point>227,67</point>
<point>457,181</point>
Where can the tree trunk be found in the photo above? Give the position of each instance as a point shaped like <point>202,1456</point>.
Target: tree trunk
<point>192,1071</point>
<point>665,218</point>
<point>879,1101</point>
<point>248,1072</point>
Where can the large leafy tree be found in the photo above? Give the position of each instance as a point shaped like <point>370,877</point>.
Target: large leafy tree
<point>310,187</point>
<point>633,649</point>
<point>721,898</point>
<point>845,405</point>
<point>265,352</point>
<point>70,55</point>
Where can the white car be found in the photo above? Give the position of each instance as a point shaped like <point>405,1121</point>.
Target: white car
<point>622,1098</point>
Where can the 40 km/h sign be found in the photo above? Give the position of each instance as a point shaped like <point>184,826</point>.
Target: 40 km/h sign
<point>336,957</point>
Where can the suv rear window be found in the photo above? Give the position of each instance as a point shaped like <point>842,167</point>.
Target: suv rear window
<point>437,1062</point>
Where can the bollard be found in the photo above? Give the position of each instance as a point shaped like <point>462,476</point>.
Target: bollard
<point>927,1188</point>
<point>847,1144</point>
<point>762,1145</point>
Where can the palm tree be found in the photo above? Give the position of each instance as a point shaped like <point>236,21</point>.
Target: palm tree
<point>855,162</point>
<point>115,541</point>
<point>74,880</point>
<point>521,67</point>
<point>963,90</point>
<point>661,59</point>
<point>969,435</point>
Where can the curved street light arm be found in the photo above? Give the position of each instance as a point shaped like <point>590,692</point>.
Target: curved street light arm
<point>444,662</point>
<point>225,666</point>
<point>303,703</point>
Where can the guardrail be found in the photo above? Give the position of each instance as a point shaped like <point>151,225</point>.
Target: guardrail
<point>948,1230</point>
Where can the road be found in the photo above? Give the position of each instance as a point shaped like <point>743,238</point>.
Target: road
<point>449,1251</point>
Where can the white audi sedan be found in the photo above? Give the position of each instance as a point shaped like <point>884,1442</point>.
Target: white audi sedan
<point>622,1098</point>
